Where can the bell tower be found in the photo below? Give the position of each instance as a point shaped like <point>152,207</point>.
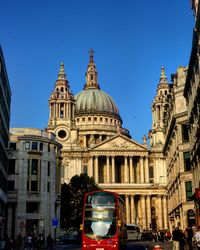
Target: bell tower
<point>61,108</point>
<point>159,107</point>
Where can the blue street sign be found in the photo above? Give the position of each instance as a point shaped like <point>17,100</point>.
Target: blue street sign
<point>54,222</point>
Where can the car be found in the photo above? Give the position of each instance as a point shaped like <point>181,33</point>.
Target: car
<point>147,235</point>
<point>66,239</point>
<point>133,232</point>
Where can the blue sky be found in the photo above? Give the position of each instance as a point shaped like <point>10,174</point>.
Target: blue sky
<point>132,39</point>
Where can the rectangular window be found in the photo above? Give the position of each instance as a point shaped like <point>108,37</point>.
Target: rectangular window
<point>34,186</point>
<point>85,169</point>
<point>27,145</point>
<point>34,145</point>
<point>186,157</point>
<point>32,207</point>
<point>11,185</point>
<point>185,133</point>
<point>48,169</point>
<point>41,146</point>
<point>188,190</point>
<point>11,166</point>
<point>151,174</point>
<point>48,187</point>
<point>34,167</point>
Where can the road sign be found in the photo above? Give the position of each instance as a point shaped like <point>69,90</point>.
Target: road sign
<point>54,222</point>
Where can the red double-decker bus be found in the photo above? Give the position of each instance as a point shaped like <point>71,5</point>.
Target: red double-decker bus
<point>103,225</point>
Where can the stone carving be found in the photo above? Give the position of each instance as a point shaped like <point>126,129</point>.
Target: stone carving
<point>120,143</point>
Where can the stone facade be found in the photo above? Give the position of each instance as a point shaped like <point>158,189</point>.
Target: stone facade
<point>89,127</point>
<point>33,182</point>
<point>5,100</point>
<point>177,152</point>
<point>192,95</point>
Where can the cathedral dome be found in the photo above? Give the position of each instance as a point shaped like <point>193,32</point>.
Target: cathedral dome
<point>92,100</point>
<point>95,101</point>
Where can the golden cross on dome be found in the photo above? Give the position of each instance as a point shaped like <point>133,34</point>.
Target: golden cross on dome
<point>91,55</point>
<point>162,71</point>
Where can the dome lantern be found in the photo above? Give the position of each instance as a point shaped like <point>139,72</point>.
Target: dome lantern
<point>91,74</point>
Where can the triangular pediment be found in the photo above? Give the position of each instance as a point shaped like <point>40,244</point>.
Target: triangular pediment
<point>119,142</point>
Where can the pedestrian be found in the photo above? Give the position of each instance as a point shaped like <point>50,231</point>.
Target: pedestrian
<point>49,242</point>
<point>189,235</point>
<point>197,237</point>
<point>182,240</point>
<point>168,236</point>
<point>19,241</point>
<point>29,241</point>
<point>176,235</point>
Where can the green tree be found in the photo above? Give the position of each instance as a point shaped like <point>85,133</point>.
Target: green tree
<point>72,196</point>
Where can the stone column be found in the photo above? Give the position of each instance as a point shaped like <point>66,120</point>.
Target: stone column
<point>139,213</point>
<point>90,167</point>
<point>146,169</point>
<point>96,169</point>
<point>51,111</point>
<point>141,170</point>
<point>159,212</point>
<point>143,210</point>
<point>126,173</point>
<point>138,171</point>
<point>131,170</point>
<point>148,201</point>
<point>132,209</point>
<point>70,111</point>
<point>113,169</point>
<point>108,169</point>
<point>54,110</point>
<point>127,209</point>
<point>165,213</point>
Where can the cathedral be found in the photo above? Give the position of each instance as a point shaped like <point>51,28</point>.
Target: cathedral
<point>85,135</point>
<point>89,128</point>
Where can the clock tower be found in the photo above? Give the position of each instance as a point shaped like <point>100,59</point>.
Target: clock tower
<point>61,107</point>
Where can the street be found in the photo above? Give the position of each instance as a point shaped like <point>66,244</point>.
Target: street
<point>136,245</point>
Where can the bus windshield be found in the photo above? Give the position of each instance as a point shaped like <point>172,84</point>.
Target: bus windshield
<point>100,229</point>
<point>100,218</point>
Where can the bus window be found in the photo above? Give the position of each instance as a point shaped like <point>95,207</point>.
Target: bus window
<point>100,199</point>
